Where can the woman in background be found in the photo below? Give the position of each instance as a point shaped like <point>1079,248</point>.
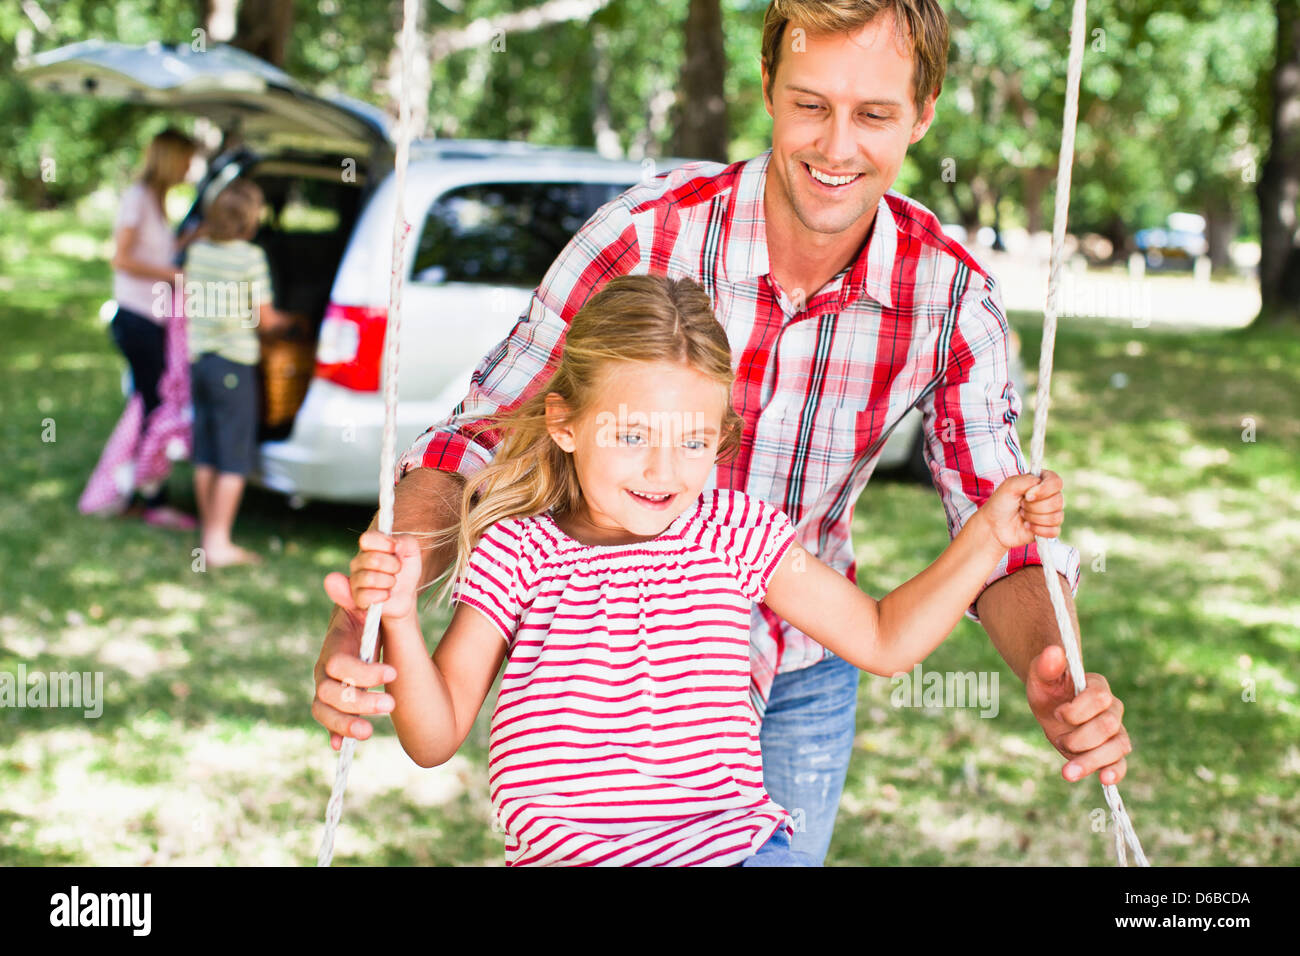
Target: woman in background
<point>132,472</point>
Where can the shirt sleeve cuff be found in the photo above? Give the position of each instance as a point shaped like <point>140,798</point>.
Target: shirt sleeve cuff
<point>445,451</point>
<point>1065,557</point>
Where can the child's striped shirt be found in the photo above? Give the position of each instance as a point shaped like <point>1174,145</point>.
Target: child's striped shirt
<point>624,733</point>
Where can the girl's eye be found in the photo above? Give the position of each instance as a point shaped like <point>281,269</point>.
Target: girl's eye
<point>628,438</point>
<point>697,444</point>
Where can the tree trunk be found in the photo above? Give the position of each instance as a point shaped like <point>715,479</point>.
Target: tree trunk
<point>262,27</point>
<point>1035,181</point>
<point>701,127</point>
<point>1279,182</point>
<point>1121,241</point>
<point>602,123</point>
<point>1220,227</point>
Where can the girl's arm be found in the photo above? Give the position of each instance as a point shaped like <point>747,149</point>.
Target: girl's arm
<point>435,699</point>
<point>890,636</point>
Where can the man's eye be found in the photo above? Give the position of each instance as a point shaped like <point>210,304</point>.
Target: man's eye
<point>873,116</point>
<point>809,106</point>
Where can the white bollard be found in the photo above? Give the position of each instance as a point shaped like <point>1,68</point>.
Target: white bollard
<point>1137,266</point>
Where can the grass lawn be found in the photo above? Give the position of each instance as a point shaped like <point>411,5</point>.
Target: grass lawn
<point>205,752</point>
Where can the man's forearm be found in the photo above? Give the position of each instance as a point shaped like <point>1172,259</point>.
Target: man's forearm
<point>424,500</point>
<point>427,499</point>
<point>1016,611</point>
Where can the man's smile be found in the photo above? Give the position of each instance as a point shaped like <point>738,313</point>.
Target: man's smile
<point>830,180</point>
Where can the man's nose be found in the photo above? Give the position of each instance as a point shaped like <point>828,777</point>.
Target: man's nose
<point>839,143</point>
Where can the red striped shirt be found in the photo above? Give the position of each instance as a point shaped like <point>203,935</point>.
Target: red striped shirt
<point>624,733</point>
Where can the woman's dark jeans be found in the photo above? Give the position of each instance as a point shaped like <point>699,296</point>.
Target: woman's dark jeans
<point>143,342</point>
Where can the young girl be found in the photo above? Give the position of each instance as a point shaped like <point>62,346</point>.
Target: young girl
<point>618,589</point>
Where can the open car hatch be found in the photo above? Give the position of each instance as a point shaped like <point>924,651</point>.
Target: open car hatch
<point>233,88</point>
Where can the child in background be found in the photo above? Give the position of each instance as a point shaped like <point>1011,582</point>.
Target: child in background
<point>228,296</point>
<point>619,590</point>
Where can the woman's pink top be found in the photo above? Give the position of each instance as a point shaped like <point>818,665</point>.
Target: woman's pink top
<point>623,734</point>
<point>154,245</point>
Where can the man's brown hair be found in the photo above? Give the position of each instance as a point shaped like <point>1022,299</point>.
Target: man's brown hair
<point>235,212</point>
<point>923,21</point>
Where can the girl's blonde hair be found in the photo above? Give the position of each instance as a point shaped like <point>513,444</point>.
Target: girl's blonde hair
<point>641,319</point>
<point>166,161</point>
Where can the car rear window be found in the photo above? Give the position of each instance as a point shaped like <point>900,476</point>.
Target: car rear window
<point>504,233</point>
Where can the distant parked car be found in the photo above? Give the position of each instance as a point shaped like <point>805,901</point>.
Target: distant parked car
<point>490,218</point>
<point>1178,245</point>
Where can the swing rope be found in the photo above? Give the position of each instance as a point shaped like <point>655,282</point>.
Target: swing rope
<point>388,454</point>
<point>1124,832</point>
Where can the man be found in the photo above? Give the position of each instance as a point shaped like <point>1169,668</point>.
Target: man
<point>845,306</point>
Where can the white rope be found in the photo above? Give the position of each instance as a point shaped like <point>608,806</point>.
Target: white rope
<point>388,452</point>
<point>1124,832</point>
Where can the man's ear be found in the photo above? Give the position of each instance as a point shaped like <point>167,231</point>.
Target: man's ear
<point>925,119</point>
<point>561,434</point>
<point>762,75</point>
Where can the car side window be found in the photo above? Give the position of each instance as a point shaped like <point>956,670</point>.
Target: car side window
<point>504,233</point>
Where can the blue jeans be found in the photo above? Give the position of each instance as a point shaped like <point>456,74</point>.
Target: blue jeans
<point>776,852</point>
<point>806,739</point>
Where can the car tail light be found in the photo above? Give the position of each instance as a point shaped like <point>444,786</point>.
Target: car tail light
<point>351,345</point>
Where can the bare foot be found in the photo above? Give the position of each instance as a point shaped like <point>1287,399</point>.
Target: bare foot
<point>228,557</point>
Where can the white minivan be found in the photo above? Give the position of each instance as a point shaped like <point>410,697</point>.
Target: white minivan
<point>488,220</point>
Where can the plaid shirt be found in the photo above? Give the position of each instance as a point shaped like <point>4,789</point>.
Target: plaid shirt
<point>914,320</point>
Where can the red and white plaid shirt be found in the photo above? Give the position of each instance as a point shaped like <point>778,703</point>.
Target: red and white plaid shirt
<point>913,321</point>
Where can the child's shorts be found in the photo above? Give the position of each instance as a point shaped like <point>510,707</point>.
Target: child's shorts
<point>225,395</point>
<point>776,852</point>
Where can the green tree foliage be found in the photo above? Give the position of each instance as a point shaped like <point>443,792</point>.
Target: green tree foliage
<point>82,142</point>
<point>1172,111</point>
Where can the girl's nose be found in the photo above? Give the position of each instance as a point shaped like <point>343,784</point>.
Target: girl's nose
<point>660,461</point>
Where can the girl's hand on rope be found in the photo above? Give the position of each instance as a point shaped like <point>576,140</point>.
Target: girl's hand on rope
<point>1024,506</point>
<point>387,569</point>
<point>1088,730</point>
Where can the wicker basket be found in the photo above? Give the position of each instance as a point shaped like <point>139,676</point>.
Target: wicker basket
<point>288,362</point>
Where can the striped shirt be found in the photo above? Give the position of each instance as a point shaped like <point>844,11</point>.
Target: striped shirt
<point>821,381</point>
<point>226,283</point>
<point>623,734</point>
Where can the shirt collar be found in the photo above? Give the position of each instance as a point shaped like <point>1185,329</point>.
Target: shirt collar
<point>746,256</point>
